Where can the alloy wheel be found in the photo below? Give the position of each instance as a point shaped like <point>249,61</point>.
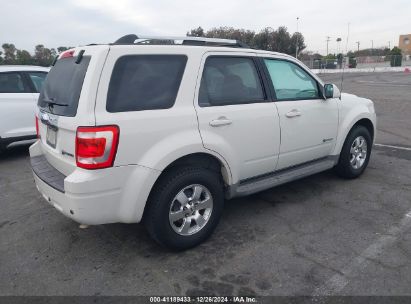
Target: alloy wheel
<point>191,209</point>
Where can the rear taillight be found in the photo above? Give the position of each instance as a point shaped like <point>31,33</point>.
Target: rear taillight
<point>96,147</point>
<point>37,127</point>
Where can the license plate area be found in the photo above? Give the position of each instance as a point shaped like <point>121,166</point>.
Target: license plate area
<point>51,137</point>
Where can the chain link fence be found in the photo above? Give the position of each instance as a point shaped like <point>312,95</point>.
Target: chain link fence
<point>364,62</point>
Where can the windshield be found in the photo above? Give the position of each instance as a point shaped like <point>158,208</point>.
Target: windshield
<point>61,91</point>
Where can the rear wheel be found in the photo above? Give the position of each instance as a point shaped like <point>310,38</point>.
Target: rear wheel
<point>184,207</point>
<point>355,153</point>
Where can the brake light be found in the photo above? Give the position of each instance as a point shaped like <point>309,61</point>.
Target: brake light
<point>96,147</point>
<point>67,54</point>
<point>37,127</point>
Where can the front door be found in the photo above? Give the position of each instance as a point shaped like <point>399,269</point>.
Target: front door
<point>308,122</point>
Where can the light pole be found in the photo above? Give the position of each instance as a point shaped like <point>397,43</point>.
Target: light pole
<point>358,46</point>
<point>296,42</point>
<point>348,37</point>
<point>328,40</point>
<point>338,45</point>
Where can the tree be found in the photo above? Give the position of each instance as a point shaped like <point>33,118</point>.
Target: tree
<point>226,32</point>
<point>23,57</point>
<point>265,39</point>
<point>395,51</point>
<point>43,56</point>
<point>282,40</point>
<point>197,32</point>
<point>9,53</point>
<point>277,40</point>
<point>297,39</point>
<point>396,56</point>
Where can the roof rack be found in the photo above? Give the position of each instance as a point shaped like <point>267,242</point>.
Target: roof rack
<point>199,41</point>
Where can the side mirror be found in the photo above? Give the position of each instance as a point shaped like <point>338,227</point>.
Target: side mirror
<point>331,91</point>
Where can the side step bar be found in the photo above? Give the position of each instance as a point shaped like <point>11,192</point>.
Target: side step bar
<point>267,181</point>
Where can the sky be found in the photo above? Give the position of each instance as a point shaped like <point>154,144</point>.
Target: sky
<point>53,23</point>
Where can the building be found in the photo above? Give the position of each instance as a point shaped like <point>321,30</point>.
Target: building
<point>405,44</point>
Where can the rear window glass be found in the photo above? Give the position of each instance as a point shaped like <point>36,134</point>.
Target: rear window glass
<point>61,90</point>
<point>145,82</point>
<point>11,83</point>
<point>230,81</point>
<point>37,78</point>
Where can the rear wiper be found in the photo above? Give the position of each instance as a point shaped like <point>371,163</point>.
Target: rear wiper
<point>52,102</point>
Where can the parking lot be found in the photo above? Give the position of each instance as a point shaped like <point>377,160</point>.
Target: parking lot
<point>317,236</point>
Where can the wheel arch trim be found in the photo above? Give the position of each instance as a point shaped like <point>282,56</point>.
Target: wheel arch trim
<point>347,125</point>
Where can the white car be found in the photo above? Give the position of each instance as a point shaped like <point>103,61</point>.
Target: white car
<point>163,132</point>
<point>19,91</point>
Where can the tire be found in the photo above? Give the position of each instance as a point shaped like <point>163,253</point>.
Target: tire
<point>180,195</point>
<point>352,163</point>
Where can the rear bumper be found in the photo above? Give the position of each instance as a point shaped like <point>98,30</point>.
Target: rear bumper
<point>93,197</point>
<point>47,173</point>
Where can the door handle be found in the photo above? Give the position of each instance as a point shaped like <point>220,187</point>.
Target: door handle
<point>221,121</point>
<point>293,113</point>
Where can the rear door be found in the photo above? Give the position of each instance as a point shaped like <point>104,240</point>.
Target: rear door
<point>67,101</point>
<point>236,118</point>
<point>17,106</point>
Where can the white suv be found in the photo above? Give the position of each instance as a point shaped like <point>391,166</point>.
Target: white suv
<point>163,130</point>
<point>19,91</point>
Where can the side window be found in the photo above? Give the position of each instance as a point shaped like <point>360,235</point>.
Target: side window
<point>37,78</point>
<point>290,81</point>
<point>145,82</point>
<point>11,82</point>
<point>228,81</point>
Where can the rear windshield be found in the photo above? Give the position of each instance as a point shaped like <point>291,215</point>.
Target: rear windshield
<point>145,82</point>
<point>62,88</point>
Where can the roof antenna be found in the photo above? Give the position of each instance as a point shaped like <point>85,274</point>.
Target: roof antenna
<point>346,52</point>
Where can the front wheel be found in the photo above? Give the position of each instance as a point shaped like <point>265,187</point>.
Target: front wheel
<point>355,153</point>
<point>185,207</point>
